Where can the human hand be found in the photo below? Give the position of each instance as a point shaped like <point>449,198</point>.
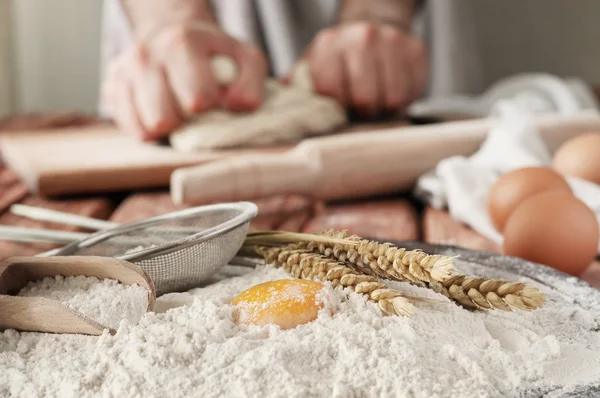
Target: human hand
<point>166,77</point>
<point>368,67</point>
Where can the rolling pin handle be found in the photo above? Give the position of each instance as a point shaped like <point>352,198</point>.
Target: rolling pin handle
<point>242,178</point>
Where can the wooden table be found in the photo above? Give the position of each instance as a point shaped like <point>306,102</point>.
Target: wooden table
<point>393,218</point>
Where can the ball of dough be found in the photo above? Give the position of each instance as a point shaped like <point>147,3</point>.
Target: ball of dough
<point>225,69</point>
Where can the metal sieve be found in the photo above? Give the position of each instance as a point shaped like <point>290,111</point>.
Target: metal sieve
<point>178,250</point>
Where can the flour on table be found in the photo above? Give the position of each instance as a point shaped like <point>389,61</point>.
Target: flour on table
<point>191,347</point>
<point>105,301</point>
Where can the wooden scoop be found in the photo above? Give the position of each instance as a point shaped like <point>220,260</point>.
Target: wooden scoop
<point>36,314</point>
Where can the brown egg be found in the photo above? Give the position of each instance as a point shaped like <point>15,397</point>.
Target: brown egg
<point>553,228</point>
<point>513,188</point>
<point>578,157</point>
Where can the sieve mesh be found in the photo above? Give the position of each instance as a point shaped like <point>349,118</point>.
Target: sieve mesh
<point>190,266</point>
<point>179,250</point>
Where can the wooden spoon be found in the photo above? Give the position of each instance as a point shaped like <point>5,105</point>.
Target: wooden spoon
<point>36,314</point>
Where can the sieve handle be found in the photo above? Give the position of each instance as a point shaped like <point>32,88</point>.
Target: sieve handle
<point>18,234</point>
<point>49,253</point>
<point>60,217</point>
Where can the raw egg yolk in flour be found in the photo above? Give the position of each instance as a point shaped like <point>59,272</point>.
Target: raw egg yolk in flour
<point>287,303</point>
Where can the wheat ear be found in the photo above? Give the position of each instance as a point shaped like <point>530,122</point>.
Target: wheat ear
<point>384,259</point>
<point>483,293</point>
<point>307,265</point>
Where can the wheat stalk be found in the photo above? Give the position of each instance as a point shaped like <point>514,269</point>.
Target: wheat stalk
<point>307,265</point>
<point>280,238</point>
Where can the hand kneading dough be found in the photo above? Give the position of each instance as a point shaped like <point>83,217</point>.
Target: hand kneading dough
<point>287,114</point>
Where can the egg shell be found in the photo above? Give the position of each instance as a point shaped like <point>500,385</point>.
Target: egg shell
<point>286,302</point>
<point>514,187</point>
<point>553,228</point>
<point>579,157</point>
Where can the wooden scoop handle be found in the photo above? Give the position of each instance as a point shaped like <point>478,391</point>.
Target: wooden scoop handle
<point>37,314</point>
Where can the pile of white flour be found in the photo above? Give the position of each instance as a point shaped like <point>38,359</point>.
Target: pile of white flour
<point>105,301</point>
<point>190,347</point>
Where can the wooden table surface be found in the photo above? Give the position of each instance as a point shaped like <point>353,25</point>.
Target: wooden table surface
<point>393,218</point>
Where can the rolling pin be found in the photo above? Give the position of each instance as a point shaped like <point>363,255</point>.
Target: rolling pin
<point>354,165</point>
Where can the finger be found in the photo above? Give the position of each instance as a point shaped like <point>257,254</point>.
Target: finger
<point>118,99</point>
<point>247,91</point>
<point>327,67</point>
<point>285,80</point>
<point>396,71</point>
<point>361,68</point>
<point>108,90</point>
<point>126,116</point>
<point>417,54</point>
<point>189,74</point>
<point>154,102</point>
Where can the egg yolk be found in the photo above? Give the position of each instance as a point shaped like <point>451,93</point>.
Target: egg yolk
<point>287,303</point>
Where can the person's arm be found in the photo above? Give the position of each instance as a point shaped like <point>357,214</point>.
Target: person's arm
<point>398,13</point>
<point>147,16</point>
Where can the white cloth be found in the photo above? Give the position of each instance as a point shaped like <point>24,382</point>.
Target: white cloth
<point>462,184</point>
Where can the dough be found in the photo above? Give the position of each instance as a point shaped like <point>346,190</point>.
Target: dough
<point>287,114</point>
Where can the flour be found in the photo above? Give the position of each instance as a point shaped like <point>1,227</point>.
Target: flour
<point>190,347</point>
<point>105,301</point>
